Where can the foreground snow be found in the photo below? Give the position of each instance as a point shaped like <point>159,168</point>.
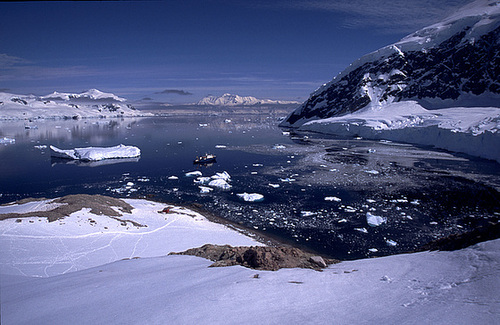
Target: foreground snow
<point>458,287</point>
<point>96,153</point>
<point>471,130</point>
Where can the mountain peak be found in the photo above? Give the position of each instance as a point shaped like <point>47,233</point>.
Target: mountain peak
<point>446,63</point>
<point>228,99</point>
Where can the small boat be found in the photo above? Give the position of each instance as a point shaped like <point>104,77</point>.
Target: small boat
<point>205,159</point>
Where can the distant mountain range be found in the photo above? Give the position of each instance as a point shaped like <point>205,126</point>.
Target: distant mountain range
<point>235,100</point>
<point>91,103</point>
<point>91,94</point>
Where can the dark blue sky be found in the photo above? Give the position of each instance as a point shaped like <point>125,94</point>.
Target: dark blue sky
<point>267,49</point>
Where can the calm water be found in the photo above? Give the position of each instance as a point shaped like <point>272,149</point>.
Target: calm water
<point>423,194</point>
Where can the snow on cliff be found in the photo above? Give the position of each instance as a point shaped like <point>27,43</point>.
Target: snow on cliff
<point>235,100</point>
<point>423,89</point>
<point>96,269</point>
<point>91,103</point>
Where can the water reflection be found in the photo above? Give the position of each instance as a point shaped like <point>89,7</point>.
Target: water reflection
<point>81,163</point>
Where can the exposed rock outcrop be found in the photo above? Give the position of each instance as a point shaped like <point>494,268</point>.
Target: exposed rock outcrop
<point>259,257</point>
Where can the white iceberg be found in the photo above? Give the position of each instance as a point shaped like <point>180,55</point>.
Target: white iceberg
<point>220,183</point>
<point>96,153</point>
<point>373,220</point>
<point>6,140</point>
<point>224,176</point>
<point>333,198</point>
<point>251,197</point>
<point>205,189</point>
<point>195,173</point>
<point>202,180</point>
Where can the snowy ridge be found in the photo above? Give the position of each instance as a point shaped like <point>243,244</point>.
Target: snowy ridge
<point>92,103</point>
<point>91,94</point>
<point>236,100</point>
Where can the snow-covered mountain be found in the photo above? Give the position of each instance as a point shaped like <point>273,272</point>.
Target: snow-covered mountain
<point>235,100</point>
<point>91,94</point>
<point>91,103</point>
<point>438,86</point>
<point>452,63</point>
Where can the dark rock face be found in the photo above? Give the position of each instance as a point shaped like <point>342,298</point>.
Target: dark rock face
<point>259,257</point>
<point>454,67</point>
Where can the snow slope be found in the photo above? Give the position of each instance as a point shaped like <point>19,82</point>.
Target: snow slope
<point>92,103</point>
<point>90,282</point>
<point>236,100</point>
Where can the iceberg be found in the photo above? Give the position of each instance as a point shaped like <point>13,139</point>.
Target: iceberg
<point>373,220</point>
<point>195,173</point>
<point>224,176</point>
<point>251,197</point>
<point>220,183</point>
<point>96,153</point>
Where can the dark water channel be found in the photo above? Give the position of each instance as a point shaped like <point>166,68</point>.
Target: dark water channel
<point>318,191</point>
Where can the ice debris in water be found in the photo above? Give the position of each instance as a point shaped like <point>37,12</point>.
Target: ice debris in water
<point>373,220</point>
<point>274,185</point>
<point>220,146</point>
<point>279,146</point>
<point>6,140</point>
<point>224,176</point>
<point>307,213</point>
<point>390,242</point>
<point>373,250</point>
<point>41,147</point>
<point>333,198</point>
<point>251,197</point>
<point>373,172</point>
<point>220,183</point>
<point>173,177</point>
<point>195,173</point>
<point>203,180</point>
<point>205,189</point>
<point>363,230</point>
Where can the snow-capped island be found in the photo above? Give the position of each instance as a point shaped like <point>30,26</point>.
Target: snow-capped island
<point>229,100</point>
<point>88,104</point>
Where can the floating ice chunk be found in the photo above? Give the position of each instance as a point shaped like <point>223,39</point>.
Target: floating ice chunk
<point>363,230</point>
<point>203,125</point>
<point>130,184</point>
<point>333,198</point>
<point>373,250</point>
<point>370,201</point>
<point>220,183</point>
<point>433,223</point>
<point>373,220</point>
<point>143,179</point>
<point>41,147</point>
<point>390,242</point>
<point>373,172</point>
<point>279,146</point>
<point>220,146</point>
<point>287,180</point>
<point>251,197</point>
<point>253,173</point>
<point>415,202</point>
<point>96,153</point>
<point>173,177</point>
<point>307,213</point>
<point>202,180</point>
<point>274,185</point>
<point>224,176</point>
<point>205,189</point>
<point>195,173</point>
<point>257,165</point>
<point>342,220</point>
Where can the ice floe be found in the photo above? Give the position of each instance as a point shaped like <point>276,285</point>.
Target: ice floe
<point>373,220</point>
<point>251,197</point>
<point>96,153</point>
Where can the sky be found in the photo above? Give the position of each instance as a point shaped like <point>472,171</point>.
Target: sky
<point>180,51</point>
